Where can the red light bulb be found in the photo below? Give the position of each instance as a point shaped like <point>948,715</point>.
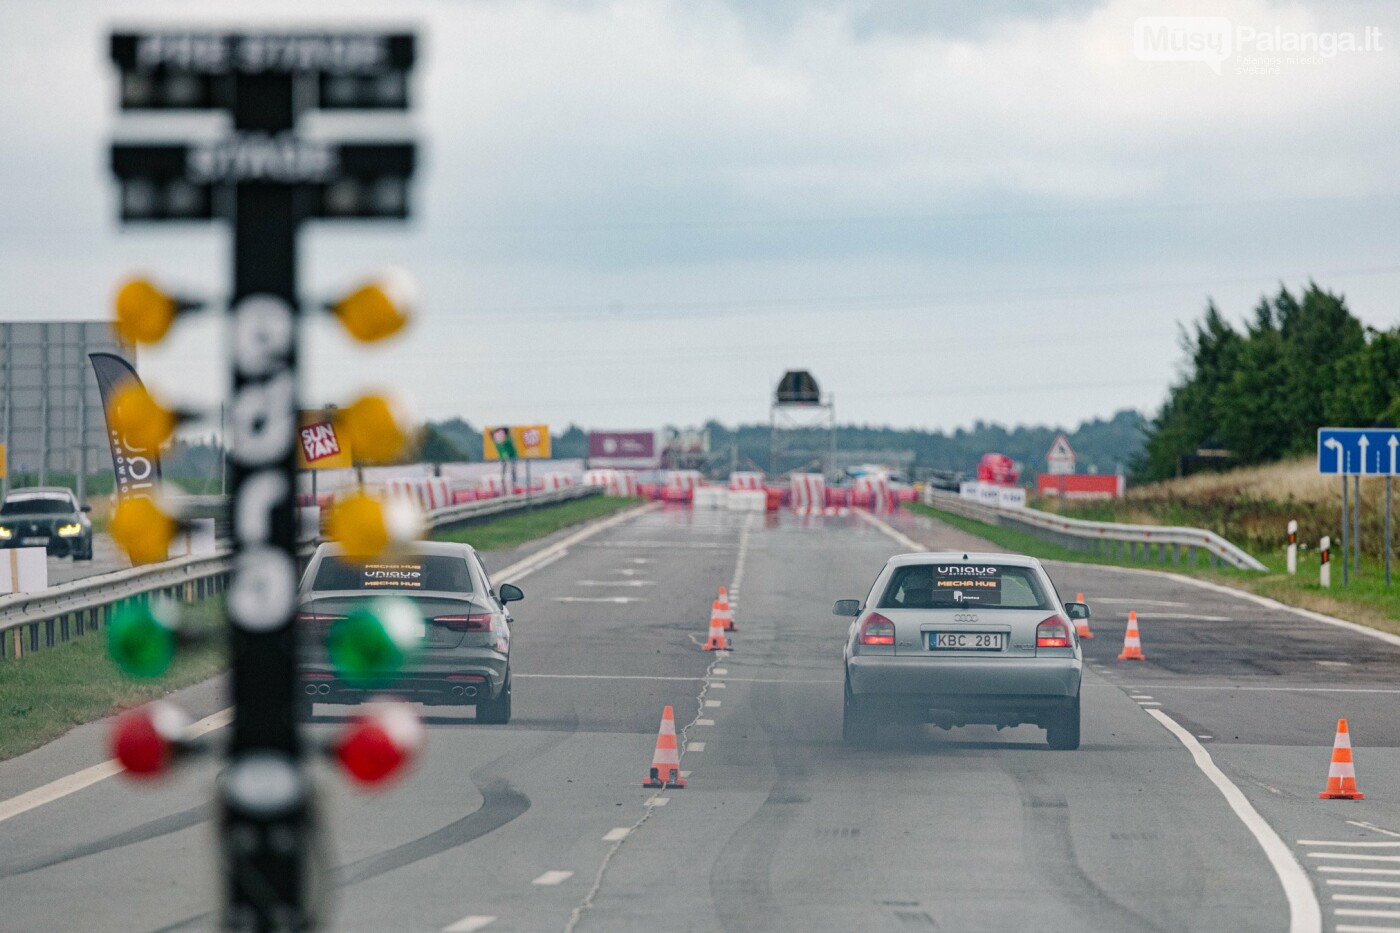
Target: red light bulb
<point>379,743</point>
<point>143,740</point>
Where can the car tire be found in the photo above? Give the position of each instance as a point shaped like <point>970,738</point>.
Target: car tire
<point>85,554</point>
<point>1063,732</point>
<point>858,726</point>
<point>495,712</point>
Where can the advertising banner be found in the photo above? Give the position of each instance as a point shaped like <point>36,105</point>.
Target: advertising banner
<point>516,442</point>
<point>629,449</point>
<point>319,445</point>
<point>137,469</point>
<point>1081,485</point>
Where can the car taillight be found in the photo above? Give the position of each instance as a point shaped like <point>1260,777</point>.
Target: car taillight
<point>1053,633</point>
<point>471,623</point>
<point>876,630</point>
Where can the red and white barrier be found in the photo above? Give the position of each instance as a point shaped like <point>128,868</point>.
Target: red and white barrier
<point>710,497</point>
<point>746,479</point>
<point>614,482</point>
<point>873,492</point>
<point>808,492</point>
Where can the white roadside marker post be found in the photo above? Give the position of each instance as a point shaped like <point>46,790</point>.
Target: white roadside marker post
<point>1292,548</point>
<point>1324,548</point>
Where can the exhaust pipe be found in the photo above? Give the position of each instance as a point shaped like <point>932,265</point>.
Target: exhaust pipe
<point>323,689</point>
<point>457,691</point>
<point>310,689</point>
<point>468,691</point>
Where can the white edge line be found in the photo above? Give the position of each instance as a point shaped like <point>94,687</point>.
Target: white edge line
<point>1305,915</point>
<point>79,780</point>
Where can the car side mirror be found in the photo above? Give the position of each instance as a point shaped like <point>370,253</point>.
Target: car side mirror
<point>87,508</point>
<point>511,593</point>
<point>846,607</point>
<point>1077,610</point>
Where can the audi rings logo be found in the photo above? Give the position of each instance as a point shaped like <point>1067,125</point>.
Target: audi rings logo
<point>965,617</point>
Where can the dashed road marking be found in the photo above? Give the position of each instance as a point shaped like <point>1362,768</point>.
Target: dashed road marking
<point>695,746</point>
<point>1354,870</point>
<point>599,599</point>
<point>1146,703</point>
<point>1366,898</point>
<point>721,671</point>
<point>1354,857</point>
<point>1354,883</point>
<point>712,702</point>
<point>716,685</point>
<point>657,801</point>
<point>617,835</point>
<point>1355,845</point>
<point>704,722</point>
<point>470,924</point>
<point>615,583</point>
<point>1372,827</point>
<point>552,878</point>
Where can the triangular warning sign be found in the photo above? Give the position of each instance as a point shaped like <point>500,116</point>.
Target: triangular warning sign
<point>1060,451</point>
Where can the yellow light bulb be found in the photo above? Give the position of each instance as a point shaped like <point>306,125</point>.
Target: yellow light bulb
<point>367,528</point>
<point>144,312</point>
<point>373,428</point>
<point>378,309</point>
<point>139,419</point>
<point>142,530</point>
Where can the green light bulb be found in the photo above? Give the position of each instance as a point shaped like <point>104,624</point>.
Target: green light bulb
<point>141,639</point>
<point>371,645</point>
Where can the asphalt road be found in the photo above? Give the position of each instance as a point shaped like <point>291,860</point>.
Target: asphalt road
<point>106,558</point>
<point>543,823</point>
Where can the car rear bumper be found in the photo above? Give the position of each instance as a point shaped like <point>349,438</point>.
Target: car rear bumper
<point>464,681</point>
<point>973,682</point>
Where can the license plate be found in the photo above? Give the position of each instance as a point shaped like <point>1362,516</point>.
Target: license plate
<point>966,641</point>
<point>34,541</point>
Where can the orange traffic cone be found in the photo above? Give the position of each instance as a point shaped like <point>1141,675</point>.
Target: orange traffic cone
<point>1132,644</point>
<point>666,761</point>
<point>1341,776</point>
<point>1081,626</point>
<point>716,641</point>
<point>721,611</point>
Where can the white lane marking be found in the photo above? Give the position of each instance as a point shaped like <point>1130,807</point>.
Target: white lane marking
<point>1148,703</point>
<point>721,671</point>
<point>1188,617</point>
<point>716,685</point>
<point>470,924</point>
<point>1243,688</point>
<point>1367,898</point>
<point>55,790</point>
<point>656,802</point>
<point>1369,914</point>
<point>1354,857</point>
<point>1352,928</point>
<point>627,571</point>
<point>615,583</point>
<point>618,834</point>
<point>551,878</point>
<point>1352,883</point>
<point>1356,845</point>
<point>599,599</point>
<point>889,530</point>
<point>1305,914</point>
<point>695,746</point>
<point>1354,870</point>
<point>1118,601</point>
<point>1372,827</point>
<point>685,774</point>
<point>704,722</point>
<point>737,680</point>
<point>1203,736</point>
<point>712,702</point>
<point>1139,696</point>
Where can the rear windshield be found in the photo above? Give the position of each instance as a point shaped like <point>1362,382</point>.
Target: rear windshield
<point>986,586</point>
<point>46,505</point>
<point>421,572</point>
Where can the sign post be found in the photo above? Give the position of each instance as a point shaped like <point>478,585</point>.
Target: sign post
<point>1346,452</point>
<point>265,180</point>
<point>1060,462</point>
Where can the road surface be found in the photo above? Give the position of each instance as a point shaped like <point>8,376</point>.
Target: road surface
<point>1191,806</point>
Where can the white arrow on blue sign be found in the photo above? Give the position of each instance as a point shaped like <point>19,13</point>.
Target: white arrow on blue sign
<point>1358,451</point>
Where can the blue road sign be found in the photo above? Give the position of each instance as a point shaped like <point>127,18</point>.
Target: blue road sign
<point>1358,451</point>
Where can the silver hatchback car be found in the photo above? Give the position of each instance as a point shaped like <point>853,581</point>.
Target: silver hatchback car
<point>955,639</point>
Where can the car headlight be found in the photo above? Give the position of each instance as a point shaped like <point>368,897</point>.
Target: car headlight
<point>70,531</point>
<point>5,534</point>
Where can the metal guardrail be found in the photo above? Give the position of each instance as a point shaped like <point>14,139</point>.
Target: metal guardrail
<point>32,621</point>
<point>1141,542</point>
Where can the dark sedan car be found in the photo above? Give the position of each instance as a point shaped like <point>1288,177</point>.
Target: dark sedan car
<point>48,517</point>
<point>465,652</point>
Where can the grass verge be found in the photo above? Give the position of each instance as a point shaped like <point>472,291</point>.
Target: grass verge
<point>515,530</point>
<point>44,694</point>
<point>1367,601</point>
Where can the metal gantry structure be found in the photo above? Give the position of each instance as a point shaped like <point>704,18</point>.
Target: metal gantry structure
<point>265,180</point>
<point>799,406</point>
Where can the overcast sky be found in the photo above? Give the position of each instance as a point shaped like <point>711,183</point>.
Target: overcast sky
<point>639,213</point>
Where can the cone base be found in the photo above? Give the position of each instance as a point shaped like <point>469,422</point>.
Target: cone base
<point>731,628</point>
<point>1131,657</point>
<point>715,646</point>
<point>1326,795</point>
<point>673,783</point>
